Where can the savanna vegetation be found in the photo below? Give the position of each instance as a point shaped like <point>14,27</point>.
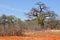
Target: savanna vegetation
<point>39,18</point>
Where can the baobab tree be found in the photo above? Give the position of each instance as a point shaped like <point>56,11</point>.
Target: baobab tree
<point>41,13</point>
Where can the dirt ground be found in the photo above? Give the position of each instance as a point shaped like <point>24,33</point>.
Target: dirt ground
<point>41,36</point>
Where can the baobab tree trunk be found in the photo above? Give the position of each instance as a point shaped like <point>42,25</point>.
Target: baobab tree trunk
<point>42,24</point>
<point>42,18</point>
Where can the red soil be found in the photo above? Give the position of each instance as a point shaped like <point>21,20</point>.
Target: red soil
<point>47,35</point>
<point>33,37</point>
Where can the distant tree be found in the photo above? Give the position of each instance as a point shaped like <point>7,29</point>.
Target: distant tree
<point>18,20</point>
<point>11,18</point>
<point>4,19</point>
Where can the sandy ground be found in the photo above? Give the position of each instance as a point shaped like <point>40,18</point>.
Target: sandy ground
<point>41,36</point>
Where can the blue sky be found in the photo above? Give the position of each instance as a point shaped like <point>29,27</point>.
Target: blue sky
<point>19,7</point>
